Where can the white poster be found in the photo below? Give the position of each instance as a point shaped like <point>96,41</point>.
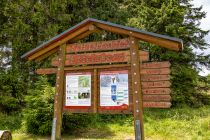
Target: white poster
<point>114,89</point>
<point>78,89</point>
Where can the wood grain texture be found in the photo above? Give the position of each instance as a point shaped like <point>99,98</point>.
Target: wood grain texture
<point>156,71</point>
<point>63,40</point>
<point>148,77</point>
<point>136,88</point>
<point>157,104</point>
<point>98,46</point>
<point>155,40</point>
<point>157,91</point>
<point>99,58</point>
<point>156,84</point>
<point>154,65</point>
<point>156,98</point>
<point>58,99</point>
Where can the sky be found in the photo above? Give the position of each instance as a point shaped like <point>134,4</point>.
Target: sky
<point>205,25</point>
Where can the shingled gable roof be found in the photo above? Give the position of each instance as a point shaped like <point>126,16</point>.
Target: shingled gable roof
<point>154,38</point>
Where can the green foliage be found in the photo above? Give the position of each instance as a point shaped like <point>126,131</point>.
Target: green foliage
<point>11,121</point>
<point>11,91</point>
<point>177,19</point>
<point>38,113</point>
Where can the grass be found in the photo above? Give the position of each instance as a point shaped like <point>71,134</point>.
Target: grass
<point>160,124</point>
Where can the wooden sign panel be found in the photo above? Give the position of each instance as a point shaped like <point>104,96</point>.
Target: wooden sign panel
<point>99,58</point>
<point>99,46</point>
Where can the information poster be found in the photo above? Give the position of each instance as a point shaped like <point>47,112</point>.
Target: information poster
<point>114,90</point>
<point>78,89</point>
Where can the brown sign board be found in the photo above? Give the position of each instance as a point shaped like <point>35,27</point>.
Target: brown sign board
<point>99,46</point>
<point>157,104</point>
<point>99,58</point>
<point>156,84</point>
<point>149,77</point>
<point>154,65</point>
<point>157,98</point>
<point>158,91</point>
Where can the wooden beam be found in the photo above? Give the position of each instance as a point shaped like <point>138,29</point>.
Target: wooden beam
<point>58,101</point>
<point>85,34</point>
<point>46,55</point>
<point>136,89</point>
<point>147,38</point>
<point>95,91</point>
<point>64,40</point>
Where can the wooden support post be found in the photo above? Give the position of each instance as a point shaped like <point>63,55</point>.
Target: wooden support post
<point>95,92</point>
<point>136,90</point>
<point>58,100</point>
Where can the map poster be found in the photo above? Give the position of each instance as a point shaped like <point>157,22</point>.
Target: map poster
<point>114,90</point>
<point>78,90</point>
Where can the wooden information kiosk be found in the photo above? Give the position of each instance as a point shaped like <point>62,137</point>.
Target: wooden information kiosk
<point>108,77</point>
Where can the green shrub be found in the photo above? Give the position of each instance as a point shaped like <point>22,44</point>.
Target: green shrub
<point>39,108</point>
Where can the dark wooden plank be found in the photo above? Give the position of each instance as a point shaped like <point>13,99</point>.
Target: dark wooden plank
<point>147,77</point>
<point>156,98</point>
<point>154,65</point>
<point>156,71</point>
<point>157,104</point>
<point>156,91</point>
<point>155,84</point>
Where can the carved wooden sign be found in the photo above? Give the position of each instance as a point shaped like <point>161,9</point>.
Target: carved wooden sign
<point>155,78</point>
<point>99,58</point>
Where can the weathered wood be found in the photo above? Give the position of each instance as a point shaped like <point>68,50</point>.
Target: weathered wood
<point>5,135</point>
<point>157,104</point>
<point>46,55</point>
<point>136,90</point>
<point>154,65</point>
<point>99,58</point>
<point>61,41</point>
<point>98,46</point>
<point>157,91</point>
<point>155,40</point>
<point>83,35</point>
<point>156,71</point>
<point>147,77</point>
<point>156,98</point>
<point>95,91</point>
<point>155,84</point>
<point>58,101</point>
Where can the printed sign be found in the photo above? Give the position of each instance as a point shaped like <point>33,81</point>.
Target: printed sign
<point>78,89</point>
<point>114,90</point>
